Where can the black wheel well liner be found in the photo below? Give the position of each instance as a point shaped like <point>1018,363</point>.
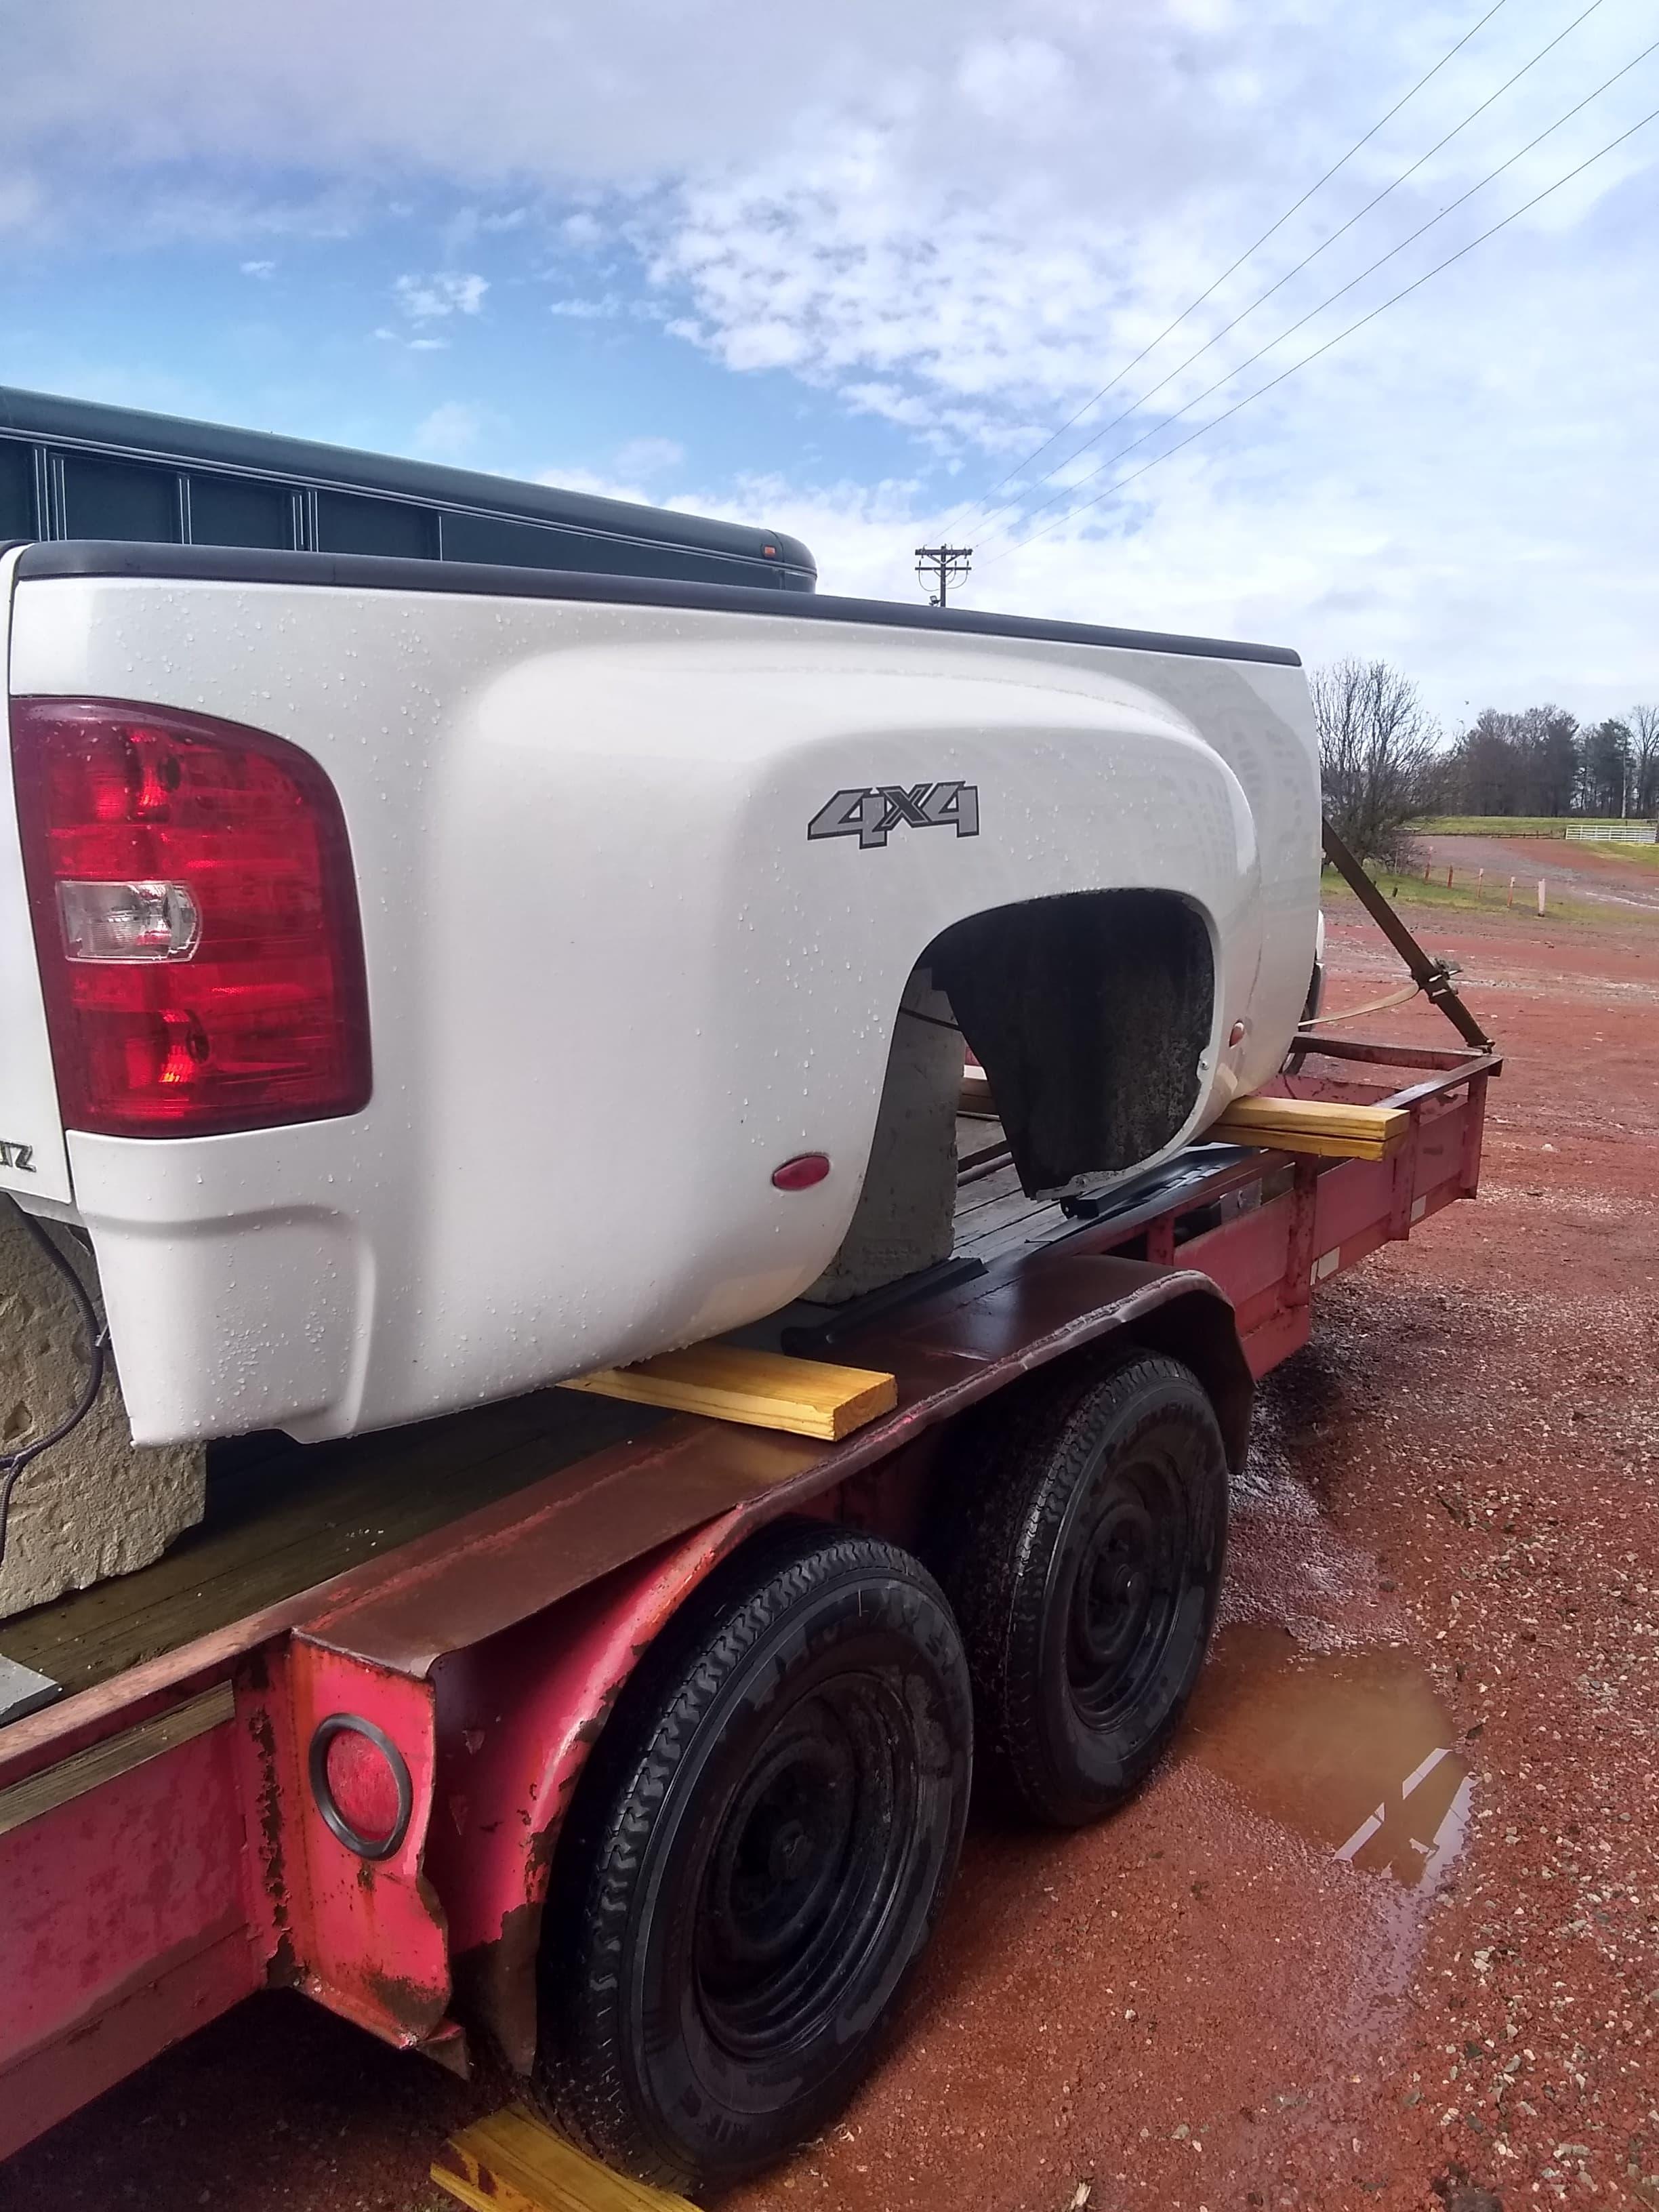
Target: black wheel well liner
<point>1090,1013</point>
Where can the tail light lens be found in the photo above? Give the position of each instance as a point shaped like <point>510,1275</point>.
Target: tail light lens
<point>195,917</point>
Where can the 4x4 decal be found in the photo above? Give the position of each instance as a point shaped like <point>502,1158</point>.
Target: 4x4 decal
<point>870,814</point>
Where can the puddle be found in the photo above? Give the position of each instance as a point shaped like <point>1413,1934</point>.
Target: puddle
<point>1352,1749</point>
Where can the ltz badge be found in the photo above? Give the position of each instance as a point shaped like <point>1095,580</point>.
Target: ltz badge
<point>871,814</point>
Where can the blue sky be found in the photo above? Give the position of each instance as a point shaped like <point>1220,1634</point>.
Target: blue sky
<point>539,362</point>
<point>840,273</point>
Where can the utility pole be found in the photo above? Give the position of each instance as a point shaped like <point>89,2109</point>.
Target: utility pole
<point>941,565</point>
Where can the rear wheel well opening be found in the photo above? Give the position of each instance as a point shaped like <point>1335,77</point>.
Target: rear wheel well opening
<point>1090,1013</point>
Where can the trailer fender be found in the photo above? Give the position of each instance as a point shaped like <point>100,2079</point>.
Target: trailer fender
<point>517,1717</point>
<point>1200,1329</point>
<point>519,1712</point>
<point>349,1918</point>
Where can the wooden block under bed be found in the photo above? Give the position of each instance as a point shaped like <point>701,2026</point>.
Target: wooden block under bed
<point>1320,1126</point>
<point>761,1389</point>
<point>514,2162</point>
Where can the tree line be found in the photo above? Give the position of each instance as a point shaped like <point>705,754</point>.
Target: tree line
<point>1388,763</point>
<point>1544,761</point>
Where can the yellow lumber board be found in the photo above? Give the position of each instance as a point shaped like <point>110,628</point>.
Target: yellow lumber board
<point>1320,1117</point>
<point>761,1390</point>
<point>514,2162</point>
<point>1377,1140</point>
<point>1298,1140</point>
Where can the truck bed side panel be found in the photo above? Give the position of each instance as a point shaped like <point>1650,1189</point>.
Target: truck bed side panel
<point>615,978</point>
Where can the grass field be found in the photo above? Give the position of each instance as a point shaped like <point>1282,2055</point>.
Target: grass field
<point>1412,890</point>
<point>1505,825</point>
<point>1467,896</point>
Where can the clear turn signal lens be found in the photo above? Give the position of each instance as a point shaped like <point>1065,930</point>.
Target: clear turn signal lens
<point>144,921</point>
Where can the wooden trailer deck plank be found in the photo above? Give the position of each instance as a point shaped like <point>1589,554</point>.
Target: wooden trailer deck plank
<point>296,1516</point>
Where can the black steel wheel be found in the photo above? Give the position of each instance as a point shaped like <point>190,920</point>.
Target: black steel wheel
<point>1084,1528</point>
<point>757,1857</point>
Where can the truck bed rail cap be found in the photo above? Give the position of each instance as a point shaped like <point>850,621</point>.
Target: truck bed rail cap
<point>368,572</point>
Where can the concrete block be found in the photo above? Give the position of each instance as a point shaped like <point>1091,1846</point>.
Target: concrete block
<point>905,1216</point>
<point>94,1505</point>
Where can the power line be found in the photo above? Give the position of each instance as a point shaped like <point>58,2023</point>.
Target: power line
<point>1262,390</point>
<point>1233,267</point>
<point>1330,300</point>
<point>1261,298</point>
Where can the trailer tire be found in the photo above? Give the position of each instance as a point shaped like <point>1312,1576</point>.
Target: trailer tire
<point>756,1857</point>
<point>1084,1540</point>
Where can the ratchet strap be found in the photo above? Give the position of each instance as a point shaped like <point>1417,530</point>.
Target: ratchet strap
<point>1433,977</point>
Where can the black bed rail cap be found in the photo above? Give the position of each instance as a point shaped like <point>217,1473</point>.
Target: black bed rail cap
<point>370,572</point>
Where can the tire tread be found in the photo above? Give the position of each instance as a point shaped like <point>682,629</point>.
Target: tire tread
<point>1016,1474</point>
<point>581,2079</point>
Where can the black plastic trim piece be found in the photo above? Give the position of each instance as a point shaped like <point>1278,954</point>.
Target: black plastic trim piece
<point>370,572</point>
<point>365,1847</point>
<point>807,1339</point>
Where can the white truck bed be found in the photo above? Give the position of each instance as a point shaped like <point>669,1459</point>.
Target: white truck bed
<point>640,872</point>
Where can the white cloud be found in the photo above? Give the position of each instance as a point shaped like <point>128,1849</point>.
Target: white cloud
<point>258,268</point>
<point>957,220</point>
<point>588,311</point>
<point>20,203</point>
<point>451,432</point>
<point>428,299</point>
<point>411,345</point>
<point>1014,81</point>
<point>649,456</point>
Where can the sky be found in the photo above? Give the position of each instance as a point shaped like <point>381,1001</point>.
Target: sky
<point>846,272</point>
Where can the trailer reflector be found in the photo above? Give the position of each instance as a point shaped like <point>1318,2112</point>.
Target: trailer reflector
<point>362,1784</point>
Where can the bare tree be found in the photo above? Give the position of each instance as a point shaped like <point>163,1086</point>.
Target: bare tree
<point>1379,754</point>
<point>1644,760</point>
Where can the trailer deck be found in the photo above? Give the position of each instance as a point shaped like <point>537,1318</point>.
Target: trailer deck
<point>157,1821</point>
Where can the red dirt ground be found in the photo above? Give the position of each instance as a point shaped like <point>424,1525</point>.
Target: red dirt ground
<point>1244,1990</point>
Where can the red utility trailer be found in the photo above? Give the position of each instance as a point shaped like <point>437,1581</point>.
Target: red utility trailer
<point>340,1738</point>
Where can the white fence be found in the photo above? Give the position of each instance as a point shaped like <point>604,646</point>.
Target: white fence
<point>1613,833</point>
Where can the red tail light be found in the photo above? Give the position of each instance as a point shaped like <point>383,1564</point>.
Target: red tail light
<point>196,919</point>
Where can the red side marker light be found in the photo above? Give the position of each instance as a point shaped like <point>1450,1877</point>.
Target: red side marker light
<point>802,1172</point>
<point>362,1784</point>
